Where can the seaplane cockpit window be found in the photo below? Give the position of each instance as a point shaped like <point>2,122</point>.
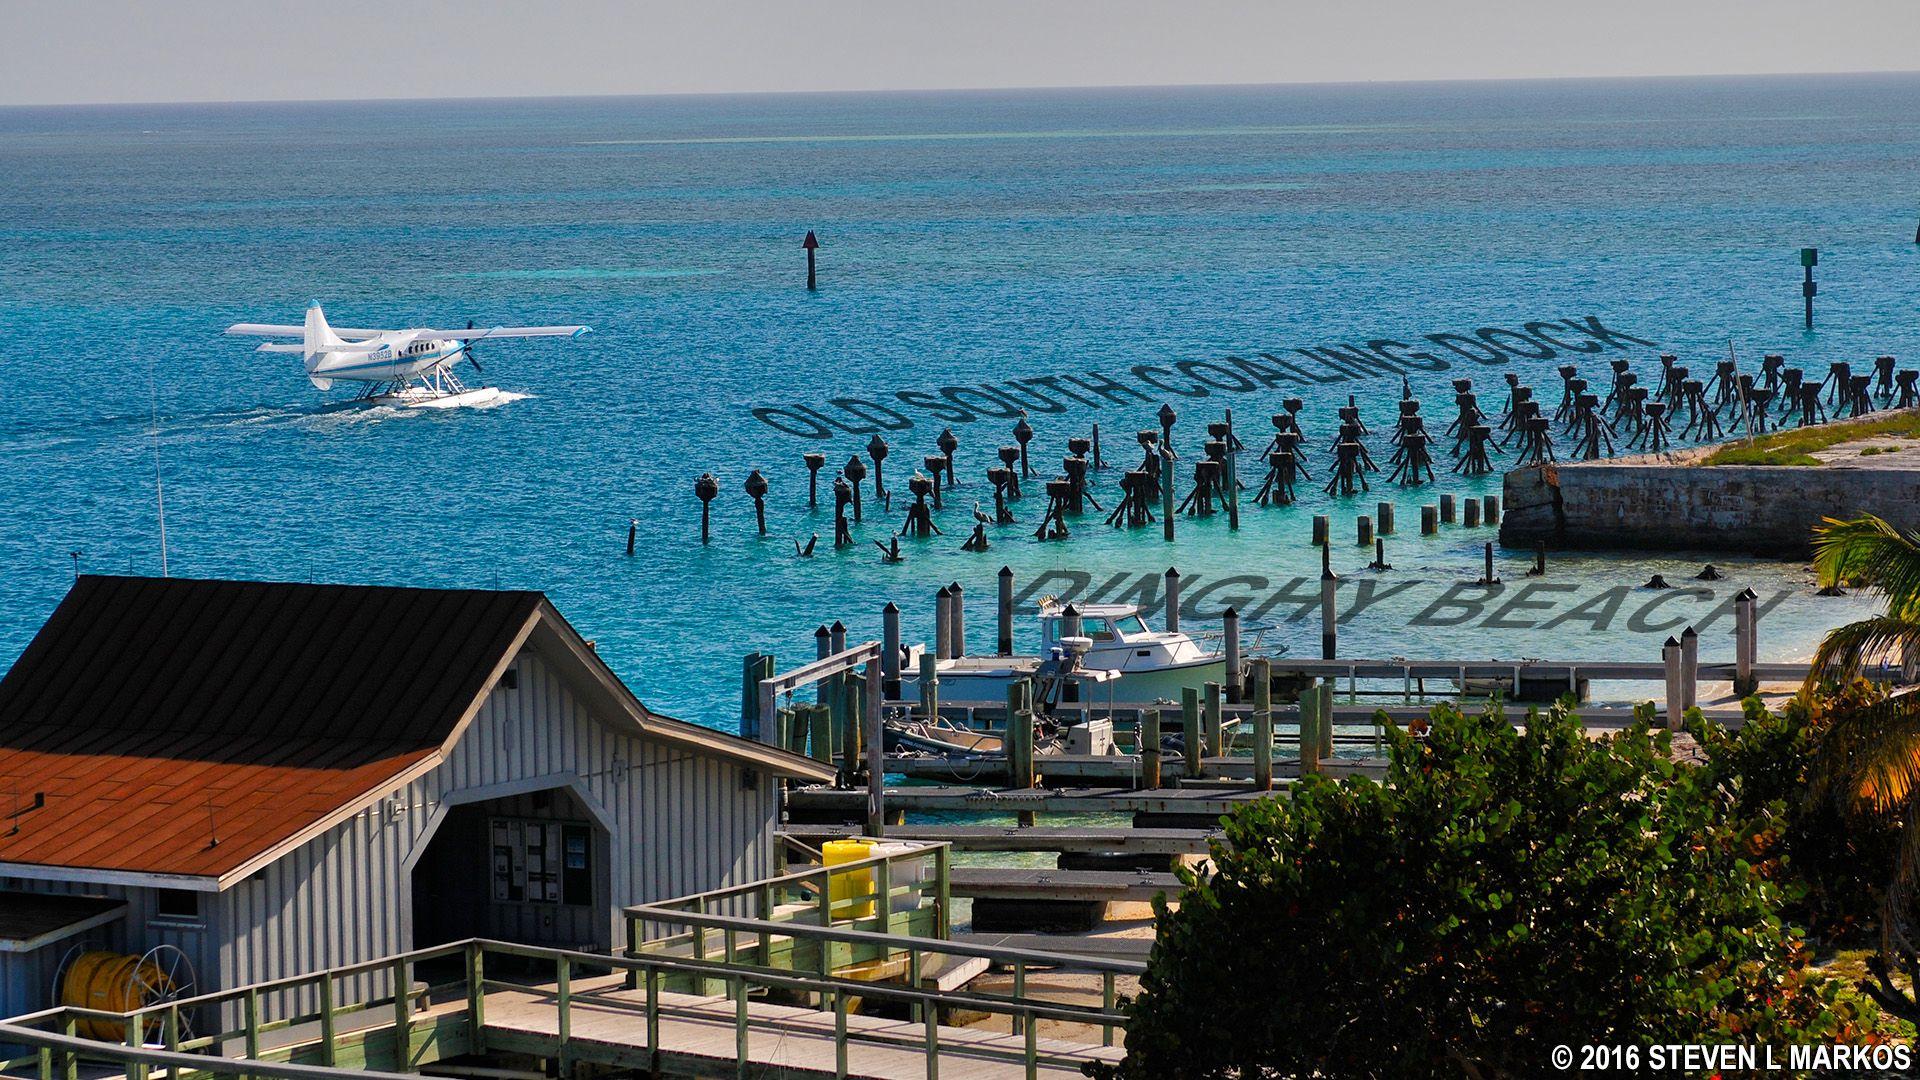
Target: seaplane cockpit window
<point>1130,625</point>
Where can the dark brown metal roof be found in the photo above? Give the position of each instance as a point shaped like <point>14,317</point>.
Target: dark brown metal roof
<point>153,716</point>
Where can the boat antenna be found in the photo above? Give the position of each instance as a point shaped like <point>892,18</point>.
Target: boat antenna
<point>159,489</point>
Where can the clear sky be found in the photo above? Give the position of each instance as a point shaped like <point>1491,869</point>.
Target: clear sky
<point>61,51</point>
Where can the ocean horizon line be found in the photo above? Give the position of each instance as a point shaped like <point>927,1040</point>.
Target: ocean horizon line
<point>983,91</point>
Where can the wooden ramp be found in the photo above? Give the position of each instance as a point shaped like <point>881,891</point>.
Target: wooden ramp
<point>698,1036</point>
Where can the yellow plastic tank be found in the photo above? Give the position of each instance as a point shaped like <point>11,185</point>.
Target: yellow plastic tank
<point>105,981</point>
<point>845,885</point>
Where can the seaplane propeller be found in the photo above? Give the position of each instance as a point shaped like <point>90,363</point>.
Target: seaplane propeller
<point>467,349</point>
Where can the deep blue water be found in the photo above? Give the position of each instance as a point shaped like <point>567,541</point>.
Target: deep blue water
<point>969,237</point>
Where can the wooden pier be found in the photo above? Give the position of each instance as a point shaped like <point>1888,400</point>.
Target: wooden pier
<point>1087,800</point>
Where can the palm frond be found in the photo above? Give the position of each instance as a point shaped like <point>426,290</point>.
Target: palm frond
<point>1869,549</point>
<point>1870,754</point>
<point>1848,648</point>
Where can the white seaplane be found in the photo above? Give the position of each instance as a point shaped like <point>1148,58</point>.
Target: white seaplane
<point>412,368</point>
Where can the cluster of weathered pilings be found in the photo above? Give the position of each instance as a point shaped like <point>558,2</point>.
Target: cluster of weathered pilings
<point>1585,425</point>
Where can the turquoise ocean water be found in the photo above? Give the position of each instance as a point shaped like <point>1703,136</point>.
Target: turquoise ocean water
<point>969,238</point>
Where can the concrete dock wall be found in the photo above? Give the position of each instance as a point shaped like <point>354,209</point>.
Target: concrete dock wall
<point>1668,502</point>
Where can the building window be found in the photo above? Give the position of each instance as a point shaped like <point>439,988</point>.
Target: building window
<point>178,907</point>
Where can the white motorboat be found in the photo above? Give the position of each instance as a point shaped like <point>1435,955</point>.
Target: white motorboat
<point>1114,657</point>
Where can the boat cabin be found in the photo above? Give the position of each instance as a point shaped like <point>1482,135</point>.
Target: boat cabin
<point>1121,638</point>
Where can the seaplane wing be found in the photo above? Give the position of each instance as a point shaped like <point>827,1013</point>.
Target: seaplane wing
<point>499,332</point>
<point>254,329</point>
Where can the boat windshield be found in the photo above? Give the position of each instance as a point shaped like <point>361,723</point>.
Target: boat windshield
<point>1097,629</point>
<point>1129,625</point>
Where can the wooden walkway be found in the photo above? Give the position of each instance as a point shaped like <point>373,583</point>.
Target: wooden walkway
<point>1032,838</point>
<point>1007,883</point>
<point>698,1035</point>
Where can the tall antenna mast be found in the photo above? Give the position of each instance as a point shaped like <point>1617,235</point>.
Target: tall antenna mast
<point>159,490</point>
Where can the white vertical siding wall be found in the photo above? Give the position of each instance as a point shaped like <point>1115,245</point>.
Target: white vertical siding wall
<point>682,823</point>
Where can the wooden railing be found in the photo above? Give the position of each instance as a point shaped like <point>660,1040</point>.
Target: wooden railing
<point>908,888</point>
<point>57,1052</point>
<point>164,1035</point>
<point>59,1056</point>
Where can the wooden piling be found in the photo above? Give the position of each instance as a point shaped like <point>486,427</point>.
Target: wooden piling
<point>1744,683</point>
<point>1172,619</point>
<point>1310,728</point>
<point>929,686</point>
<point>1230,621</point>
<point>1260,673</point>
<point>1329,614</point>
<point>1429,520</point>
<point>1383,519</point>
<point>1020,734</point>
<point>1148,738</point>
<point>890,648</point>
<point>1166,491</point>
<point>756,667</point>
<point>1325,725</point>
<point>1232,478</point>
<point>957,626</point>
<point>1211,718</point>
<point>1689,667</point>
<point>1490,509</point>
<point>1363,531</point>
<point>1004,612</point>
<point>814,462</point>
<point>1809,258</point>
<point>704,489</point>
<point>1319,530</point>
<point>1070,624</point>
<point>1446,509</point>
<point>1195,741</point>
<point>1470,513</point>
<point>1670,657</point>
<point>875,748</point>
<point>942,623</point>
<point>633,533</point>
<point>854,734</point>
<point>820,735</point>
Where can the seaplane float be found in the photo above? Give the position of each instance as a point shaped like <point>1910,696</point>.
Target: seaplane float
<point>1115,659</point>
<point>410,368</point>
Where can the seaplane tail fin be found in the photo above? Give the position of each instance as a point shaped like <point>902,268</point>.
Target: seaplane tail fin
<point>318,335</point>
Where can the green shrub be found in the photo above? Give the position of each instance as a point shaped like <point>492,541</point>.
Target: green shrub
<point>1834,860</point>
<point>1500,893</point>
